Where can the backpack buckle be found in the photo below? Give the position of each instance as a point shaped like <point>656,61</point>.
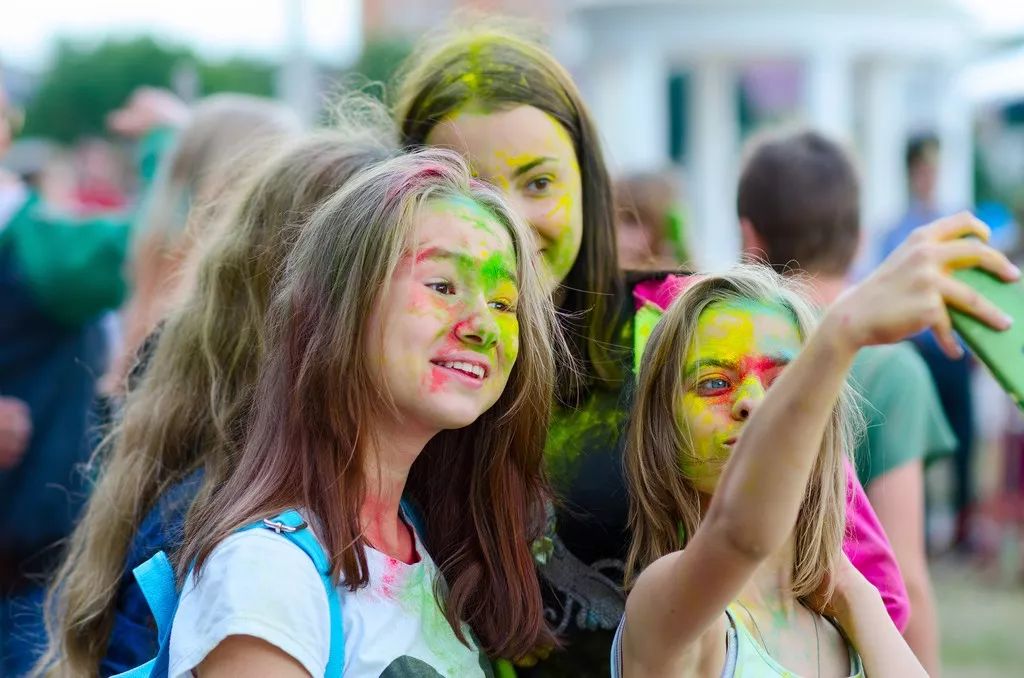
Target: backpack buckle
<point>282,527</point>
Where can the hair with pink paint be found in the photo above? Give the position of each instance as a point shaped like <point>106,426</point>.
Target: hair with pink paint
<point>481,490</point>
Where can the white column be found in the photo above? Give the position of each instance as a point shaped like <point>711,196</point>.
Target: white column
<point>631,106</point>
<point>296,78</point>
<point>956,144</point>
<point>882,167</point>
<point>828,92</point>
<point>714,146</point>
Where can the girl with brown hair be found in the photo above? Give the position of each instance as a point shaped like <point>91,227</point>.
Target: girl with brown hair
<point>408,357</point>
<point>738,520</point>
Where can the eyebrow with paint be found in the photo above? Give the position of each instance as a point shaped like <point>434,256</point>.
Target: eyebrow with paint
<point>769,361</point>
<point>464,260</point>
<point>536,162</point>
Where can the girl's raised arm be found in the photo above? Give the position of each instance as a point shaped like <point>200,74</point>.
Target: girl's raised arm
<point>680,596</point>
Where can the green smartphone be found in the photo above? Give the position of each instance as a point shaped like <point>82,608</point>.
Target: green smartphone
<point>1002,352</point>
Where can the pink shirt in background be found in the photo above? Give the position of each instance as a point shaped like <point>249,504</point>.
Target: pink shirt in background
<point>866,544</point>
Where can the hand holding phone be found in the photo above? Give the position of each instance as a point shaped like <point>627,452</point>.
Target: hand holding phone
<point>1002,352</point>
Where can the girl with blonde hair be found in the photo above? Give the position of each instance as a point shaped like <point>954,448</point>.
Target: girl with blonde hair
<point>736,499</point>
<point>221,138</point>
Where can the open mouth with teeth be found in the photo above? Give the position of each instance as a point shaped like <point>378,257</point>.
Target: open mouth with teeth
<point>470,370</point>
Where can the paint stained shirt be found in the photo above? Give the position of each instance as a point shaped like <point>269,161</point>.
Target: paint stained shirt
<point>257,584</point>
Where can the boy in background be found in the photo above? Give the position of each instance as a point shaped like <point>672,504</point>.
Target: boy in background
<point>798,207</point>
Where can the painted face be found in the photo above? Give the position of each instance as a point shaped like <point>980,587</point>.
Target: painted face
<point>447,335</point>
<point>739,349</point>
<point>530,157</point>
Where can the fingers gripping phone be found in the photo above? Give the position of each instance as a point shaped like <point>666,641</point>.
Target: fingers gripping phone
<point>1002,352</point>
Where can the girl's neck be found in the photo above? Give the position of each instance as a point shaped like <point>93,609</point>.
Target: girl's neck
<point>771,586</point>
<point>390,454</point>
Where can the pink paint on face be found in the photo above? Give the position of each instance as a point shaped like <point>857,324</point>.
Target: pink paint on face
<point>737,352</point>
<point>438,379</point>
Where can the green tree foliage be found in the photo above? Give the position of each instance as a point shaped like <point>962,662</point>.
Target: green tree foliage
<point>86,82</point>
<point>237,75</point>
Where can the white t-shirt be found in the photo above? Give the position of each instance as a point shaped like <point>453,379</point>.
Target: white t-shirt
<point>257,583</point>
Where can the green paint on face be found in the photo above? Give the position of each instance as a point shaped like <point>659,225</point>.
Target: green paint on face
<point>739,348</point>
<point>484,267</point>
<point>496,270</point>
<point>469,210</point>
<point>531,158</point>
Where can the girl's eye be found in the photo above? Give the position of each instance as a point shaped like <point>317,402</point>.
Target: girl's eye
<point>540,184</point>
<point>442,287</point>
<point>502,305</point>
<point>712,385</point>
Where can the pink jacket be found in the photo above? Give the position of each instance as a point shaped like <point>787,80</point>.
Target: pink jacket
<point>866,544</point>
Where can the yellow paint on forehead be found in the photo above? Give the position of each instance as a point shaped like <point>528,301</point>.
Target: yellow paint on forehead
<point>549,145</point>
<point>737,328</point>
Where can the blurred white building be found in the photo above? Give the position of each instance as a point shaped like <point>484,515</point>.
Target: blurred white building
<point>666,80</point>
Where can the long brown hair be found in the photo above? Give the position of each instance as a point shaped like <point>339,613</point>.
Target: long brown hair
<point>495,68</point>
<point>189,409</point>
<point>664,506</point>
<point>481,489</point>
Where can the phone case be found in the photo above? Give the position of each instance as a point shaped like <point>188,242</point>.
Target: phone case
<point>1002,352</point>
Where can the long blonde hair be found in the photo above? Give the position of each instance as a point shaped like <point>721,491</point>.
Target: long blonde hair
<point>481,489</point>
<point>664,506</point>
<point>226,135</point>
<point>189,410</point>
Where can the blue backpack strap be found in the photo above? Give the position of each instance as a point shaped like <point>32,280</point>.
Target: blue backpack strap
<point>291,526</point>
<point>413,516</point>
<point>158,585</point>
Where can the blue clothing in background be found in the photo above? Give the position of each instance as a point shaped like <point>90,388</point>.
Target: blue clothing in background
<point>52,368</point>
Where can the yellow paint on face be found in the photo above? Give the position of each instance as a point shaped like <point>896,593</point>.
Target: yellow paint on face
<point>739,348</point>
<point>531,158</point>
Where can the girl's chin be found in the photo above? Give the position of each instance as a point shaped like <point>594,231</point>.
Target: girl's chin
<point>452,412</point>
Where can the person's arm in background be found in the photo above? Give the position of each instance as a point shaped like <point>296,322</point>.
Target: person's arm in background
<point>856,605</point>
<point>15,431</point>
<point>151,263</point>
<point>75,267</point>
<point>868,548</point>
<point>898,498</point>
<point>909,428</point>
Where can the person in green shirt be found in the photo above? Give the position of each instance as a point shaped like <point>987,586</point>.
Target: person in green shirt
<point>798,206</point>
<point>58,276</point>
<point>905,424</point>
